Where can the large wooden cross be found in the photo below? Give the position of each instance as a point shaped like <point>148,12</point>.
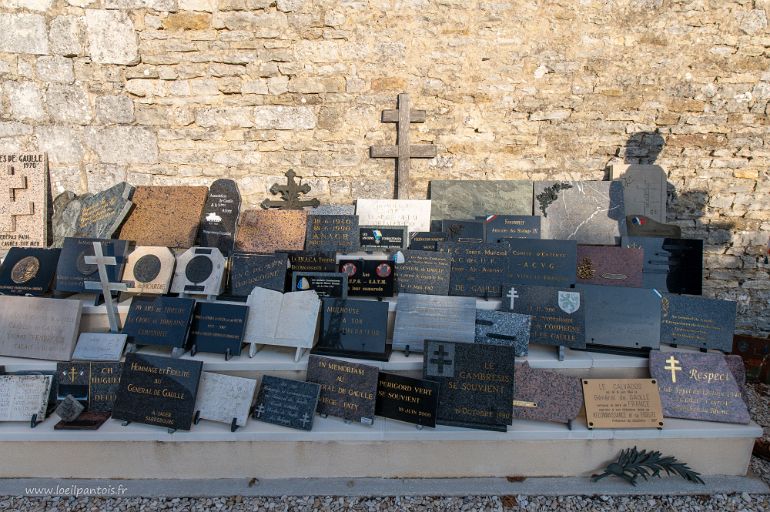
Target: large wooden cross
<point>101,261</point>
<point>403,152</point>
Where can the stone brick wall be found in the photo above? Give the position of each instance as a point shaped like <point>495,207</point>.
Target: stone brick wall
<point>184,91</point>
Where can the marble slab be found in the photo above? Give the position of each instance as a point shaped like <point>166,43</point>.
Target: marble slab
<point>542,395</point>
<point>644,189</point>
<point>467,199</point>
<point>413,213</point>
<point>39,328</point>
<point>199,271</point>
<point>423,272</point>
<point>477,270</point>
<point>99,346</point>
<point>224,398</point>
<point>498,228</point>
<point>248,271</point>
<point>353,328</point>
<point>332,233</point>
<point>22,396</point>
<point>697,322</point>
<point>218,328</point>
<point>162,321</point>
<point>102,214</point>
<point>542,262</point>
<point>432,317</point>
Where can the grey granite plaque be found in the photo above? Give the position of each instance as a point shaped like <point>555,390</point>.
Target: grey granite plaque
<point>290,403</point>
<point>39,328</point>
<point>697,322</point>
<point>332,233</point>
<point>644,189</point>
<point>99,346</point>
<point>423,272</point>
<point>467,199</point>
<point>590,212</point>
<point>333,209</point>
<point>224,398</point>
<point>432,317</point>
<point>542,395</point>
<point>503,328</point>
<point>348,390</point>
<point>102,213</point>
<point>69,409</point>
<point>557,314</point>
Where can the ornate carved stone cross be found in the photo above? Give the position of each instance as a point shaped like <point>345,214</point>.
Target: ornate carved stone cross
<point>403,152</point>
<point>290,194</point>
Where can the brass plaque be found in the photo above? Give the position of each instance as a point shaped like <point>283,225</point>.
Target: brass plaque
<point>622,403</point>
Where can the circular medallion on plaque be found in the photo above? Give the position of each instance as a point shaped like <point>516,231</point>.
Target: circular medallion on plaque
<point>199,269</point>
<point>83,267</point>
<point>350,269</point>
<point>384,270</point>
<point>147,268</point>
<point>25,270</point>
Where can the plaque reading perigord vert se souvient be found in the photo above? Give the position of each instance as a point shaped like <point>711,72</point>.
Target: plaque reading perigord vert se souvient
<point>407,399</point>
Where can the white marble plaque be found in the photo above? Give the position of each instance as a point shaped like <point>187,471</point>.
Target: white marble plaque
<point>99,346</point>
<point>39,328</point>
<point>224,397</point>
<point>200,271</point>
<point>149,270</point>
<point>22,396</point>
<point>287,320</point>
<point>413,213</point>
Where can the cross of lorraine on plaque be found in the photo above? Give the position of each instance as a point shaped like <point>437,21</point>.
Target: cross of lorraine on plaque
<point>24,210</point>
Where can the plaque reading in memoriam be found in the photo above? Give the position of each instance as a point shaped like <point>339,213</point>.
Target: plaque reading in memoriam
<point>503,328</point>
<point>24,208</point>
<point>589,212</point>
<point>383,238</point>
<point>248,271</point>
<point>225,398</point>
<point>466,199</point>
<point>102,213</point>
<point>369,278</point>
<point>557,314</point>
<point>670,264</point>
<point>289,403</point>
<point>268,231</point>
<point>149,270</point>
<point>24,396</point>
<point>476,383</point>
<point>28,271</point>
<point>325,284</point>
<point>332,233</point>
<point>99,346</point>
<point>162,321</point>
<point>464,231</point>
<point>622,403</point>
<point>353,328</point>
<point>407,399</point>
<point>412,213</point>
<point>426,240</point>
<point>431,317</point>
<point>696,386</point>
<point>542,262</point>
<point>199,271</point>
<point>218,328</point>
<point>609,266</point>
<point>158,391</point>
<point>39,328</point>
<point>423,272</point>
<point>220,216</point>
<point>167,216</point>
<point>477,269</point>
<point>72,271</point>
<point>348,390</point>
<point>498,228</point>
<point>542,395</point>
<point>697,322</point>
<point>93,384</point>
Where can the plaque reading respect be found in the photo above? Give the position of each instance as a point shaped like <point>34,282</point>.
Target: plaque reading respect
<point>622,403</point>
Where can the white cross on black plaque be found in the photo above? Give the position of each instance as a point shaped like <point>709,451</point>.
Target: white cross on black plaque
<point>104,284</point>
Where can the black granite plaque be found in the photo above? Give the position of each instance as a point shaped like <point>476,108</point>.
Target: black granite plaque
<point>503,328</point>
<point>102,213</point>
<point>220,216</point>
<point>313,262</point>
<point>670,264</point>
<point>72,270</point>
<point>426,240</point>
<point>558,314</point>
<point>477,269</point>
<point>158,391</point>
<point>476,383</point>
<point>369,278</point>
<point>332,233</point>
<point>218,328</point>
<point>423,272</point>
<point>28,271</point>
<point>289,403</point>
<point>498,228</point>
<point>325,284</point>
<point>247,271</point>
<point>353,328</point>
<point>160,321</point>
<point>407,399</point>
<point>463,231</point>
<point>697,322</point>
<point>93,384</point>
<point>348,390</point>
<point>542,262</point>
<point>383,238</point>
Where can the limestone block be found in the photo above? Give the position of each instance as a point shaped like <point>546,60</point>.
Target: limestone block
<point>114,109</point>
<point>23,33</point>
<point>111,37</point>
<point>123,144</point>
<point>63,145</point>
<point>25,101</point>
<point>284,118</point>
<point>54,68</point>
<point>68,104</point>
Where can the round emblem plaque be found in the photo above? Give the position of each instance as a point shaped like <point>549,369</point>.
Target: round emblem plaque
<point>147,268</point>
<point>350,269</point>
<point>384,270</point>
<point>25,270</point>
<point>83,267</point>
<point>199,269</point>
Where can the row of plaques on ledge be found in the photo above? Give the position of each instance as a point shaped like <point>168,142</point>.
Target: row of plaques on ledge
<point>462,385</point>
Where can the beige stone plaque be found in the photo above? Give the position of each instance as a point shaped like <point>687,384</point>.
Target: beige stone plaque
<point>23,200</point>
<point>149,270</point>
<point>39,328</point>
<point>622,403</point>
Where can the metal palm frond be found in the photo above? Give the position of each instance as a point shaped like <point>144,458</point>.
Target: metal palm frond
<point>632,464</point>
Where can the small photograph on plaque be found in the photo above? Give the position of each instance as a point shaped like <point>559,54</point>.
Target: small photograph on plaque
<point>225,399</point>
<point>348,390</point>
<point>249,271</point>
<point>383,238</point>
<point>218,328</point>
<point>353,328</point>
<point>289,403</point>
<point>325,284</point>
<point>28,271</point>
<point>162,321</point>
<point>697,322</point>
<point>407,399</point>
<point>369,278</point>
<point>24,396</point>
<point>423,272</point>
<point>149,270</point>
<point>622,403</point>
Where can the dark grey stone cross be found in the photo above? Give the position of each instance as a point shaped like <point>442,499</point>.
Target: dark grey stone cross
<point>441,360</point>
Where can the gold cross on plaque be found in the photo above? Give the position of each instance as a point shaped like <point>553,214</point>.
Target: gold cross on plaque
<point>73,373</point>
<point>673,367</point>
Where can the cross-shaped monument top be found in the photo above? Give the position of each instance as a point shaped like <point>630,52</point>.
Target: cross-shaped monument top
<point>290,194</point>
<point>403,152</point>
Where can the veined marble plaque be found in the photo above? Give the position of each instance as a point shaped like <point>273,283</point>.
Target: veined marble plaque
<point>413,213</point>
<point>225,398</point>
<point>22,396</point>
<point>466,199</point>
<point>39,328</point>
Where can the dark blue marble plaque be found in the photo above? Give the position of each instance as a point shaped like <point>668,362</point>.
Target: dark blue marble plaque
<point>28,271</point>
<point>72,270</point>
<point>558,314</point>
<point>498,228</point>
<point>697,322</point>
<point>542,262</point>
<point>247,271</point>
<point>218,328</point>
<point>289,403</point>
<point>160,321</point>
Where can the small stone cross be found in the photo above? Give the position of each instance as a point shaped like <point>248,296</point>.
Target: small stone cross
<point>290,194</point>
<point>440,360</point>
<point>403,152</point>
<point>513,295</point>
<point>673,366</point>
<point>15,182</point>
<point>260,410</point>
<point>305,420</point>
<point>104,284</point>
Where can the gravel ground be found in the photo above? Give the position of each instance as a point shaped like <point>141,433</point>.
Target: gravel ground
<point>759,403</point>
